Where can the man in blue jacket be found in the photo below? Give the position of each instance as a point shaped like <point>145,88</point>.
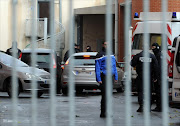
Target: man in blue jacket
<point>101,75</point>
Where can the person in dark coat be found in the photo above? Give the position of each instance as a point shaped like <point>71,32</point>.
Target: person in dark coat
<point>157,84</point>
<point>137,62</point>
<point>10,50</point>
<point>76,50</point>
<point>103,51</point>
<point>88,49</point>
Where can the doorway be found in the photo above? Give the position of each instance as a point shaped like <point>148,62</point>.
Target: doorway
<point>44,12</point>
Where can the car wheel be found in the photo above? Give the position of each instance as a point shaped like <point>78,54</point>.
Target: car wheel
<point>65,91</point>
<point>9,89</point>
<point>39,94</point>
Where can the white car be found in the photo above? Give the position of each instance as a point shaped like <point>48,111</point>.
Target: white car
<point>24,76</point>
<point>84,73</point>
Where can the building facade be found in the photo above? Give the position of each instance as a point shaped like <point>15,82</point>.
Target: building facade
<point>24,19</point>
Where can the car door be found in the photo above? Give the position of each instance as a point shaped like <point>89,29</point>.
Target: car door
<point>176,75</point>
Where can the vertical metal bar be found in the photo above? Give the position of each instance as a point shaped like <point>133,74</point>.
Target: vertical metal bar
<point>60,20</point>
<point>146,70</point>
<point>127,60</point>
<point>45,30</point>
<point>109,50</point>
<point>14,78</point>
<point>60,11</point>
<point>116,29</point>
<point>33,62</point>
<point>71,79</point>
<point>52,70</point>
<point>164,84</point>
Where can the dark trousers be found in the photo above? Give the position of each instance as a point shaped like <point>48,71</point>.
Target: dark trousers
<point>140,89</point>
<point>157,89</point>
<point>103,93</point>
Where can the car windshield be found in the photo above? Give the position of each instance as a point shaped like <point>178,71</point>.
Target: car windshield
<point>138,40</point>
<point>84,61</point>
<point>41,58</point>
<point>9,61</point>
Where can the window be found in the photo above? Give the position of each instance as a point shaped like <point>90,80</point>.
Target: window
<point>84,61</point>
<point>178,57</point>
<point>138,40</point>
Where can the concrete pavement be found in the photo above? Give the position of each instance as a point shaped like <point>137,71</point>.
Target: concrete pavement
<point>87,111</point>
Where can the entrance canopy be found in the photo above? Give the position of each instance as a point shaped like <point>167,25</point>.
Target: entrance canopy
<point>93,10</point>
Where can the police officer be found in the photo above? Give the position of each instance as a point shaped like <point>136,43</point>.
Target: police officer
<point>17,51</point>
<point>88,49</point>
<point>157,84</point>
<point>100,68</point>
<point>137,62</point>
<point>76,50</point>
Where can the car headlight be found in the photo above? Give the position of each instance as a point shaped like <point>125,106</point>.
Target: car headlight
<point>32,76</point>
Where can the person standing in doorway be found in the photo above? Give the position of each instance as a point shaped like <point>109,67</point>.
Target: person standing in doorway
<point>88,49</point>
<point>100,68</point>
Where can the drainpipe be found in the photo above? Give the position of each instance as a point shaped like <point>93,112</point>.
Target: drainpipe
<point>116,29</point>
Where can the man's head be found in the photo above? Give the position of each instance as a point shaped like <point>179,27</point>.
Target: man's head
<point>105,45</point>
<point>155,47</point>
<point>88,48</point>
<point>75,46</point>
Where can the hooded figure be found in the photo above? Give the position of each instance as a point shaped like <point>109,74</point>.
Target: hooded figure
<point>76,50</point>
<point>17,51</point>
<point>157,52</point>
<point>88,49</point>
<point>157,85</point>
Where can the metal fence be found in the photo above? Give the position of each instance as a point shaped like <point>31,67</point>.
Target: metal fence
<point>109,49</point>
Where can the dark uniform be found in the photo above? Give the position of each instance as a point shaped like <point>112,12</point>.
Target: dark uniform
<point>66,55</point>
<point>10,50</point>
<point>157,85</point>
<point>137,62</point>
<point>88,49</point>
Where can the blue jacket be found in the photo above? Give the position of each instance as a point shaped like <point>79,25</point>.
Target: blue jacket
<point>101,67</point>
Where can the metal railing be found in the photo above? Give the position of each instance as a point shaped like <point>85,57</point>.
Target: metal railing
<point>45,42</point>
<point>52,43</point>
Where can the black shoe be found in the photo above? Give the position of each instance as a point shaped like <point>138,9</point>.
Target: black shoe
<point>157,109</point>
<point>140,109</point>
<point>102,115</point>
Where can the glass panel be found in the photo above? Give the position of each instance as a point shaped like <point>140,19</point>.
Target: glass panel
<point>41,58</point>
<point>7,60</point>
<point>138,40</point>
<point>178,57</point>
